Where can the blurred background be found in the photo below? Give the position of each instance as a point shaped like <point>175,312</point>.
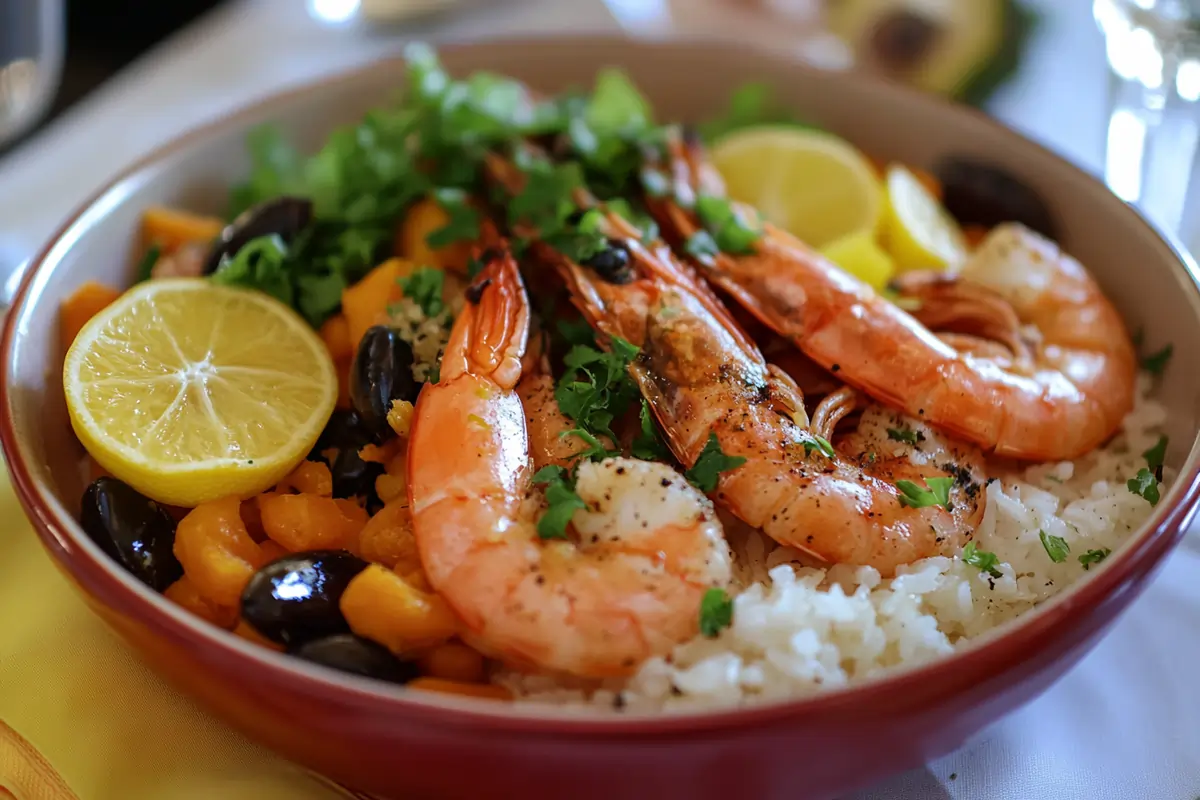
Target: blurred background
<point>1113,85</point>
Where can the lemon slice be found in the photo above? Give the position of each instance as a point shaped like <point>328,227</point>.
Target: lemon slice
<point>189,391</point>
<point>917,230</point>
<point>861,256</point>
<point>812,184</point>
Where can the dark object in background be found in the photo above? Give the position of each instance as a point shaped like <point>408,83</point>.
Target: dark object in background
<point>103,36</point>
<point>976,193</point>
<point>283,216</point>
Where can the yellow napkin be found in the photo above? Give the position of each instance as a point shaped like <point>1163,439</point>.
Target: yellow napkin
<point>81,717</point>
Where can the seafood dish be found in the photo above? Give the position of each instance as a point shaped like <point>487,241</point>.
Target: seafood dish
<point>538,398</point>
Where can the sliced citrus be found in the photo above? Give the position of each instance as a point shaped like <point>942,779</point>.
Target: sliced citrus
<point>861,256</point>
<point>917,231</point>
<point>189,391</point>
<point>810,183</point>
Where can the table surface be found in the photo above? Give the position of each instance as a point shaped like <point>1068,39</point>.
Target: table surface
<point>1120,725</point>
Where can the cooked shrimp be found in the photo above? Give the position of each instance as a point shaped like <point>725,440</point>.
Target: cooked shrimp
<point>703,380</point>
<point>626,585</point>
<point>1060,395</point>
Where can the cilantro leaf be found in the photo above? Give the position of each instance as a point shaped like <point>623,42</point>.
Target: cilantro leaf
<point>906,435</point>
<point>981,560</point>
<point>1156,363</point>
<point>729,232</point>
<point>1155,456</point>
<point>616,104</point>
<point>1144,485</point>
<point>705,473</point>
<point>576,332</point>
<point>561,500</point>
<point>820,444</point>
<point>938,493</point>
<point>146,265</point>
<point>275,169</point>
<point>751,104</point>
<point>1056,547</point>
<point>596,451</point>
<point>716,612</point>
<point>648,445</point>
<point>464,220</point>
<point>259,264</point>
<point>701,244</point>
<point>595,387</point>
<point>1094,557</point>
<point>424,287</point>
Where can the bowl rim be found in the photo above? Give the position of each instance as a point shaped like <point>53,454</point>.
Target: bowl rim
<point>989,655</point>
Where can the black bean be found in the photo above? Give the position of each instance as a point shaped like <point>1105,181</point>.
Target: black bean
<point>976,193</point>
<point>295,598</point>
<point>133,530</point>
<point>380,375</point>
<point>612,263</point>
<point>356,655</point>
<point>283,216</point>
<point>353,477</point>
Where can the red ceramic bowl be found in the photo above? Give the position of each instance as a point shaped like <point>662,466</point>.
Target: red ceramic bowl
<point>384,740</point>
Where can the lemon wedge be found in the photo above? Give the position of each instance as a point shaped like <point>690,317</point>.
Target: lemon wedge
<point>861,256</point>
<point>189,391</point>
<point>917,231</point>
<point>812,184</point>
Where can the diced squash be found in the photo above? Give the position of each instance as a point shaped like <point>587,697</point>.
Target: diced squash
<point>379,605</point>
<point>342,368</point>
<point>365,303</point>
<point>424,218</point>
<point>387,539</point>
<point>485,690</point>
<point>271,550</point>
<point>169,228</point>
<point>301,522</point>
<point>309,477</point>
<point>454,661</point>
<point>336,335</point>
<point>86,302</point>
<point>216,551</point>
<point>184,593</point>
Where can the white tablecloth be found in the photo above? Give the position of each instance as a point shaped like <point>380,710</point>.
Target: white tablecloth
<point>1123,724</point>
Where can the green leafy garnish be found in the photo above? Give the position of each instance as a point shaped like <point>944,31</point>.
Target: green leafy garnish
<point>729,232</point>
<point>981,560</point>
<point>424,287</point>
<point>1156,455</point>
<point>1094,557</point>
<point>906,435</point>
<point>561,499</point>
<point>576,332</point>
<point>1144,485</point>
<point>701,244</point>
<point>276,168</point>
<point>616,104</point>
<point>938,493</point>
<point>596,451</point>
<point>259,264</point>
<point>146,265</point>
<point>474,267</point>
<point>819,444</point>
<point>716,612</point>
<point>711,463</point>
<point>1056,547</point>
<point>596,388</point>
<point>464,220</point>
<point>648,445</point>
<point>751,104</point>
<point>1155,363</point>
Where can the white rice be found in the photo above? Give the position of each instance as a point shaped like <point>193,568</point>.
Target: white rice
<point>797,630</point>
<point>426,335</point>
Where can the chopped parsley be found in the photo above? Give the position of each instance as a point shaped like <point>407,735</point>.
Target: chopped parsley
<point>716,612</point>
<point>1144,485</point>
<point>1056,547</point>
<point>1155,457</point>
<point>561,500</point>
<point>648,445</point>
<point>1156,363</point>
<point>750,104</point>
<point>701,245</point>
<point>1094,557</point>
<point>729,232</point>
<point>596,451</point>
<point>906,435</point>
<point>981,560</point>
<point>259,264</point>
<point>464,220</point>
<point>938,493</point>
<point>146,265</point>
<point>711,463</point>
<point>424,287</point>
<point>596,388</point>
<point>819,444</point>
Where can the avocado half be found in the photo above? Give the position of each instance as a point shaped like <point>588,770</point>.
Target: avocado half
<point>961,48</point>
